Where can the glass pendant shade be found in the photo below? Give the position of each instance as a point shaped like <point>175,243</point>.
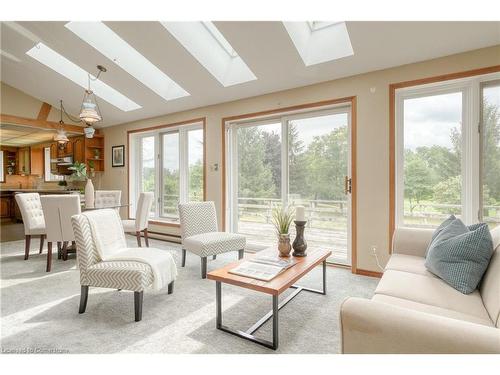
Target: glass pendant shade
<point>61,137</point>
<point>89,112</point>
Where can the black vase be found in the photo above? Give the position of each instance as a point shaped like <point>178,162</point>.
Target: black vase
<point>299,244</point>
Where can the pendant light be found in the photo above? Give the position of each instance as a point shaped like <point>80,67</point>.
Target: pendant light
<point>89,111</point>
<point>61,137</point>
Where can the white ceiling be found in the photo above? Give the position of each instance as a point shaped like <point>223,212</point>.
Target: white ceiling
<point>264,46</point>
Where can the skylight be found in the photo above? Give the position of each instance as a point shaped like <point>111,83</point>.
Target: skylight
<point>107,42</point>
<point>207,45</point>
<point>73,72</point>
<point>320,41</point>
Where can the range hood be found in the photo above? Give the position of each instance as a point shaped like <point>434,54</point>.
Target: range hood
<point>68,160</point>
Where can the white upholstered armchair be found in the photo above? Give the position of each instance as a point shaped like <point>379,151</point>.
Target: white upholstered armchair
<point>200,234</point>
<point>33,219</point>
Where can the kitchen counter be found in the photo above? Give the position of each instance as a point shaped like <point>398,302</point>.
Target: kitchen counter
<point>47,191</point>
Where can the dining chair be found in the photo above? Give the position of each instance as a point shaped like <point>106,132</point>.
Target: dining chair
<point>124,274</point>
<point>200,235</point>
<point>140,224</point>
<point>32,215</point>
<point>58,210</point>
<point>107,198</point>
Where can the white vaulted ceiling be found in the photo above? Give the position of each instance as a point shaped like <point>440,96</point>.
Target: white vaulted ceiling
<point>265,47</point>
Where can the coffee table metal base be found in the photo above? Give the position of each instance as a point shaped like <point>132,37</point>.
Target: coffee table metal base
<point>248,334</point>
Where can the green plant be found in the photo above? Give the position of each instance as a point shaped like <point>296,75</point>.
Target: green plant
<point>97,153</point>
<point>282,219</point>
<point>62,183</point>
<point>91,164</point>
<point>79,170</point>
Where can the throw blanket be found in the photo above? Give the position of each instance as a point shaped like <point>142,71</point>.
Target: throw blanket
<point>161,263</point>
<point>107,232</point>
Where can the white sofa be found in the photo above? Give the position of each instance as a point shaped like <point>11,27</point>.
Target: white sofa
<point>414,311</point>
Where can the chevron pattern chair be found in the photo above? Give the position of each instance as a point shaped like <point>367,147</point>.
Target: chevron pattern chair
<point>127,275</point>
<point>200,234</point>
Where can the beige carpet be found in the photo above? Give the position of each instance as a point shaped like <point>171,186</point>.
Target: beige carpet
<point>39,311</point>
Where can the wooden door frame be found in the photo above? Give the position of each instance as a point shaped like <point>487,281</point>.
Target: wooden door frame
<point>392,128</point>
<point>350,100</point>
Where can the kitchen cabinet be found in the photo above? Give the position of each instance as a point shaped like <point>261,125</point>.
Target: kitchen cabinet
<point>5,206</point>
<point>23,164</point>
<point>36,159</point>
<point>78,149</point>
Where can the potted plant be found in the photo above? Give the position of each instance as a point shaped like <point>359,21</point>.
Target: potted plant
<point>282,219</point>
<point>92,167</point>
<point>97,153</point>
<point>79,170</point>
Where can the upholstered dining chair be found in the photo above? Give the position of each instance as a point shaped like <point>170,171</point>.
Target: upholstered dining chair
<point>58,210</point>
<point>34,222</point>
<point>116,274</point>
<point>107,198</point>
<point>140,224</point>
<point>200,234</point>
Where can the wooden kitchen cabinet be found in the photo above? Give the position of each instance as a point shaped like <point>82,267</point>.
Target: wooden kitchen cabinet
<point>36,159</point>
<point>5,206</point>
<point>78,149</point>
<point>23,164</point>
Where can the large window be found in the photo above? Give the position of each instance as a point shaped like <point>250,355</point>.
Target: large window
<point>168,162</point>
<point>300,159</point>
<point>448,158</point>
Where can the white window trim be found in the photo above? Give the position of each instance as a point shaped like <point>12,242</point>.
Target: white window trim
<point>135,159</point>
<point>471,179</point>
<point>231,162</point>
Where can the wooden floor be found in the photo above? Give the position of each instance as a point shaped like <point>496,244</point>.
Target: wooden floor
<point>263,234</point>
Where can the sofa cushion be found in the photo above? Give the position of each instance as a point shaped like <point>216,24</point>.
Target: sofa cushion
<point>429,309</point>
<point>430,291</point>
<point>461,256</point>
<point>408,263</point>
<point>439,229</point>
<point>214,243</point>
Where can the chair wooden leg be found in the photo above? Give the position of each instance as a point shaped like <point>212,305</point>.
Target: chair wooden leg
<point>49,256</point>
<point>42,238</point>
<point>171,288</point>
<point>83,298</point>
<point>27,246</point>
<point>146,238</point>
<point>138,297</point>
<point>241,253</point>
<point>204,267</point>
<point>59,250</point>
<point>183,262</point>
<point>138,235</point>
<point>214,257</point>
<point>65,251</point>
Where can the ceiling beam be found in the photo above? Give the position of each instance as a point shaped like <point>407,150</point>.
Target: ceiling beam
<point>41,124</point>
<point>44,111</point>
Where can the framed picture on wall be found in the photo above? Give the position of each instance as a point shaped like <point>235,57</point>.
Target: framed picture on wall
<point>118,156</point>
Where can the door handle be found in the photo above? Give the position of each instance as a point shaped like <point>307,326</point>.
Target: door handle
<point>347,185</point>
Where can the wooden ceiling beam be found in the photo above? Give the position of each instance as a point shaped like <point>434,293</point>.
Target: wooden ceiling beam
<point>43,115</point>
<point>40,124</point>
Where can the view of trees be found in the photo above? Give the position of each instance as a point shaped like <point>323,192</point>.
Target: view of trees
<point>433,174</point>
<point>316,170</point>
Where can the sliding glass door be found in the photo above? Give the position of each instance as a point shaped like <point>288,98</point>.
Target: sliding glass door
<point>299,160</point>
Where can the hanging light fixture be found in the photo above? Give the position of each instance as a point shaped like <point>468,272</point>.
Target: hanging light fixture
<point>61,137</point>
<point>90,112</point>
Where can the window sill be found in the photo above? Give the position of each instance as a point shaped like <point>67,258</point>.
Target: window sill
<point>164,223</point>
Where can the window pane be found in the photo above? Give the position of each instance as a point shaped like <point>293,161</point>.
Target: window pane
<point>170,176</point>
<point>195,161</point>
<point>491,155</point>
<point>318,156</point>
<point>432,159</point>
<point>259,181</point>
<point>148,167</point>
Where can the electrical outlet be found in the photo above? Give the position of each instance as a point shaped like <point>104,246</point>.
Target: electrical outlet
<point>374,249</point>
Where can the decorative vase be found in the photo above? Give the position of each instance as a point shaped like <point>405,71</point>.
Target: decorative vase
<point>284,246</point>
<point>89,194</point>
<point>299,244</point>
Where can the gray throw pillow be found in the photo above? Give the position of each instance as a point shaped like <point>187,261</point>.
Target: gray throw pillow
<point>439,229</point>
<point>460,255</point>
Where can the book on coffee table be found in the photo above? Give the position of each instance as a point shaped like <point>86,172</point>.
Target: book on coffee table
<point>265,267</point>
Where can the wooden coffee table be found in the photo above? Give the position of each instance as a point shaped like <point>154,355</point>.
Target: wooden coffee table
<point>274,288</point>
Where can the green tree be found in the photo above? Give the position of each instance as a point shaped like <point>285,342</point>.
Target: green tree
<point>491,152</point>
<point>299,182</point>
<point>449,192</point>
<point>196,181</point>
<point>417,179</point>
